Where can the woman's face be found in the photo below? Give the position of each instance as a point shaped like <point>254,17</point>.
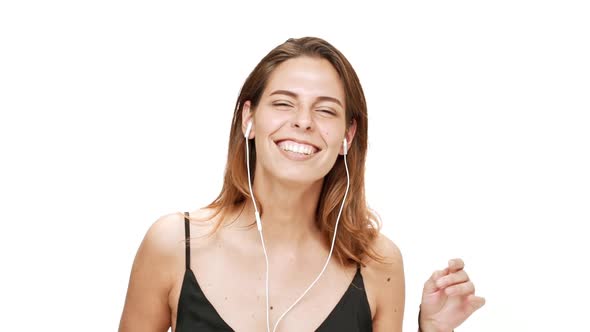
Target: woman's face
<point>299,123</point>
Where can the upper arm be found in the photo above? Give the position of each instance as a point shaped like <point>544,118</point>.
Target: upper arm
<point>152,275</point>
<point>389,282</point>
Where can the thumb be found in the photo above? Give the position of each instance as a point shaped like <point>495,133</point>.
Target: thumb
<point>475,303</point>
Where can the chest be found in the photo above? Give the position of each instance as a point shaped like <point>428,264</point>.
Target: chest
<point>232,293</point>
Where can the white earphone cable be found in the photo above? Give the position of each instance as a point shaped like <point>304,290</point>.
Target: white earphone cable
<point>331,249</point>
<point>259,226</point>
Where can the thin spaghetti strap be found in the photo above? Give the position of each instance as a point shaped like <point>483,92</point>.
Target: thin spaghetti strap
<point>187,235</point>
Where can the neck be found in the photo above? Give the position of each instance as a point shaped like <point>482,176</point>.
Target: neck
<point>287,212</point>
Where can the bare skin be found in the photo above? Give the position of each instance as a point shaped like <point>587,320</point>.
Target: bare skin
<point>229,267</point>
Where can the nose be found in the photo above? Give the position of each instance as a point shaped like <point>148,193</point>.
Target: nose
<point>302,119</point>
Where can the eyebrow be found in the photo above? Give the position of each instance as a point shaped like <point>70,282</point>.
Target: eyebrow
<point>294,95</point>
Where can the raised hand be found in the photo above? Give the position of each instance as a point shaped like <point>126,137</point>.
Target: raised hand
<point>448,299</point>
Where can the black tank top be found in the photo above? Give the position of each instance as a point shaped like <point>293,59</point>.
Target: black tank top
<point>196,314</point>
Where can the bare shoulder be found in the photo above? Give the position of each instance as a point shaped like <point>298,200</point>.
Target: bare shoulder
<point>162,244</point>
<point>165,239</point>
<point>389,251</point>
<point>166,233</point>
<point>385,283</point>
<point>391,263</point>
<point>152,275</point>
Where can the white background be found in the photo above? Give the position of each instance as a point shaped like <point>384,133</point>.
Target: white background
<point>114,113</point>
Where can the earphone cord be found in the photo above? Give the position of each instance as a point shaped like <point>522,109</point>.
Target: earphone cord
<point>259,225</point>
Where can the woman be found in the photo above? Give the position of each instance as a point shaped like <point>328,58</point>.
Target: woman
<point>304,252</point>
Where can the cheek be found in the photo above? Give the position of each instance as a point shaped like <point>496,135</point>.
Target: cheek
<point>333,136</point>
<point>271,122</point>
<point>268,126</point>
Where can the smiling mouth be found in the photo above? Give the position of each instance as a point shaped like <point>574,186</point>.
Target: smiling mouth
<point>297,148</point>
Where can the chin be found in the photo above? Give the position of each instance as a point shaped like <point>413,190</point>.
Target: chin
<point>293,177</point>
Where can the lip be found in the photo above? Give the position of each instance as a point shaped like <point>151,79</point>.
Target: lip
<point>295,156</point>
<point>318,149</point>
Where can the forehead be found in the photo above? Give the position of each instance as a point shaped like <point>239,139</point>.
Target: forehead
<point>307,77</point>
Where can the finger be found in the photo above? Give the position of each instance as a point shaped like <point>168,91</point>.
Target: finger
<point>462,289</point>
<point>476,302</point>
<point>452,279</point>
<point>430,284</point>
<point>456,264</point>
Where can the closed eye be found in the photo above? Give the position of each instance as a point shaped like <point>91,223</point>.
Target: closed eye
<point>281,105</point>
<point>327,111</point>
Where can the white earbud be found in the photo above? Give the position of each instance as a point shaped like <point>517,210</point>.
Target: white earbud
<point>345,146</point>
<point>248,128</point>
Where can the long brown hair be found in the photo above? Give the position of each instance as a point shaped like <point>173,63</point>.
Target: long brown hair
<point>359,226</point>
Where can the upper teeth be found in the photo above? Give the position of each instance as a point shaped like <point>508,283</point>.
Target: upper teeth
<point>297,147</point>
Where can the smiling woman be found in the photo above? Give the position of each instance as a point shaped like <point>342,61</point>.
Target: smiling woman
<point>302,114</point>
<point>295,169</point>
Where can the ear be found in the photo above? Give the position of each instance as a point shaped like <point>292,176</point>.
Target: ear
<point>247,116</point>
<point>349,135</point>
